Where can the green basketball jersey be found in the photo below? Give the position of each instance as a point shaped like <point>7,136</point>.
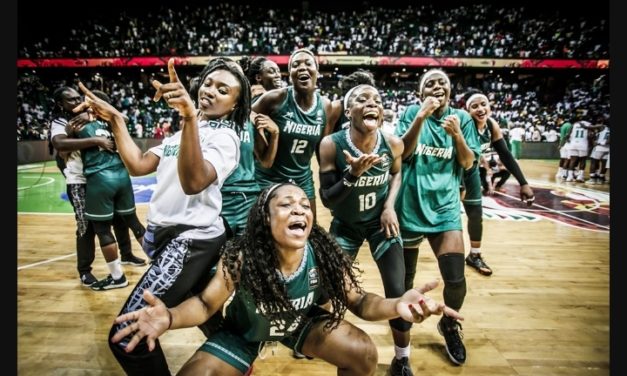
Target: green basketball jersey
<point>365,202</point>
<point>564,129</point>
<point>94,158</point>
<point>485,139</point>
<point>428,200</point>
<point>243,178</point>
<point>304,290</point>
<point>299,132</point>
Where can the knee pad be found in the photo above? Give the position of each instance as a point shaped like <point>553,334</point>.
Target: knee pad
<point>400,324</point>
<point>475,222</point>
<point>452,271</point>
<point>136,227</point>
<point>103,231</point>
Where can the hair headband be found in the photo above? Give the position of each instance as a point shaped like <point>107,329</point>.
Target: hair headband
<point>430,73</point>
<point>475,96</point>
<point>289,63</point>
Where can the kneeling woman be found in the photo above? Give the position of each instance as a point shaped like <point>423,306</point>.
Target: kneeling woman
<point>280,270</point>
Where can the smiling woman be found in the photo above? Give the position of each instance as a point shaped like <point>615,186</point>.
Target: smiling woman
<point>360,175</point>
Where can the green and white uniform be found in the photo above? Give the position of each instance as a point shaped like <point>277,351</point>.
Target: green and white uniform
<point>245,329</point>
<point>299,133</point>
<point>428,201</point>
<point>109,185</point>
<point>472,177</point>
<point>240,190</point>
<point>358,216</point>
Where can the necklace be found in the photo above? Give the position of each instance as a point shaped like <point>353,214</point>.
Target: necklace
<point>310,109</point>
<point>301,267</point>
<point>356,150</point>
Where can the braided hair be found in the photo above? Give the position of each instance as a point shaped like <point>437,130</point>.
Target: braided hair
<point>358,77</point>
<point>251,261</point>
<point>252,67</point>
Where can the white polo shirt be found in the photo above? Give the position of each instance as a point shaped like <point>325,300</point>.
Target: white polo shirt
<point>170,206</point>
<point>74,165</point>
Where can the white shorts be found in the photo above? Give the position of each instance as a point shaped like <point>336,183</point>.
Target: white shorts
<point>577,152</point>
<point>600,152</point>
<point>564,151</point>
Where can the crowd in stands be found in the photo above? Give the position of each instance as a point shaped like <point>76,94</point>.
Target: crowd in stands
<point>518,100</point>
<point>470,30</point>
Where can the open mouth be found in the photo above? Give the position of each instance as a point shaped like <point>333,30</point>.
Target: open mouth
<point>297,227</point>
<point>371,119</point>
<point>439,94</point>
<point>303,77</point>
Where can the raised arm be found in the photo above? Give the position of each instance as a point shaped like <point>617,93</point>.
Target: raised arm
<point>465,156</point>
<point>266,139</point>
<point>336,185</point>
<point>410,138</point>
<point>195,173</point>
<point>136,163</point>
<point>269,101</point>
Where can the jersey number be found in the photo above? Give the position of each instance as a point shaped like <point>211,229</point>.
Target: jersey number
<point>367,201</point>
<point>298,147</point>
<point>277,328</point>
<point>579,133</point>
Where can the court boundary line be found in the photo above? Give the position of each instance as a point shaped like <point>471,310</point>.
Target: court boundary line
<point>27,266</point>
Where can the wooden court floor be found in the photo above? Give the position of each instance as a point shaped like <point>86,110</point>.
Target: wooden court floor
<point>544,311</point>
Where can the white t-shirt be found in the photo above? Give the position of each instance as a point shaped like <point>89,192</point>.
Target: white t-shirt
<point>170,206</point>
<point>516,134</point>
<point>551,136</point>
<point>74,164</point>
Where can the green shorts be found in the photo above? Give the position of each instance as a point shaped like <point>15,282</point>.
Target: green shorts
<point>234,349</point>
<point>472,182</point>
<point>109,191</point>
<point>235,209</point>
<point>412,239</point>
<point>350,238</point>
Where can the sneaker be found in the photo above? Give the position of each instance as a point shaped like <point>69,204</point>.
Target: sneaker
<point>110,283</point>
<point>476,261</point>
<point>451,329</point>
<point>400,367</point>
<point>297,355</point>
<point>88,279</point>
<point>133,260</point>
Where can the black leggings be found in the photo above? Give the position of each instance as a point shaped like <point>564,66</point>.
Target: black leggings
<point>392,270</point>
<point>180,271</point>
